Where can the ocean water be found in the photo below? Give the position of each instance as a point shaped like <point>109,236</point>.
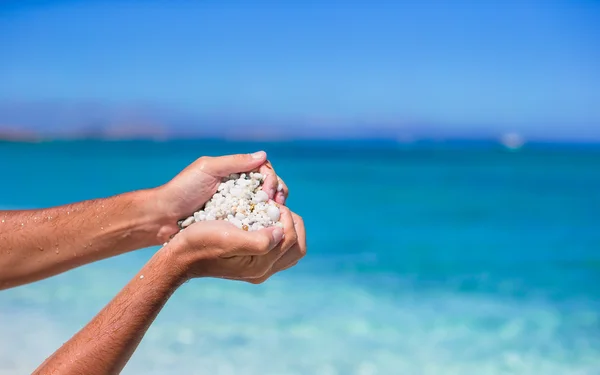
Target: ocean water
<point>423,259</point>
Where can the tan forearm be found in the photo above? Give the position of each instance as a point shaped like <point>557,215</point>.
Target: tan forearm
<point>35,244</point>
<point>105,345</point>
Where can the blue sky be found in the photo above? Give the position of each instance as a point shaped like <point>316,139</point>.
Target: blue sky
<point>523,65</point>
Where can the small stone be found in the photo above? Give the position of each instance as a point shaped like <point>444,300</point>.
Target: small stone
<point>199,216</point>
<point>241,201</point>
<point>273,213</point>
<point>236,222</point>
<point>261,196</point>
<point>236,192</point>
<point>187,222</point>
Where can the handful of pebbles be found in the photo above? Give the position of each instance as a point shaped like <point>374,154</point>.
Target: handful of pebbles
<point>241,201</point>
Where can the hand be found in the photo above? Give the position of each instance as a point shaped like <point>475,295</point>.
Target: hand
<point>219,249</point>
<point>291,257</point>
<point>195,185</point>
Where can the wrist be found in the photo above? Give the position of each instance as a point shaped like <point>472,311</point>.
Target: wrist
<point>168,267</point>
<point>173,261</point>
<point>164,225</point>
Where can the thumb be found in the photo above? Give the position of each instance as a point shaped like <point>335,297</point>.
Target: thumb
<point>223,166</point>
<point>259,242</point>
<point>274,234</point>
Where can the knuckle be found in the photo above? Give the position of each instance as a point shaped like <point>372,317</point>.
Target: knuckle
<point>292,237</point>
<point>256,272</point>
<point>203,162</point>
<point>293,264</point>
<point>298,219</point>
<point>257,281</point>
<point>249,271</point>
<point>262,270</point>
<point>261,245</point>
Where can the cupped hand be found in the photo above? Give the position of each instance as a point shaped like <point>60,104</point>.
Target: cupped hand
<point>291,257</point>
<point>195,185</point>
<point>219,249</point>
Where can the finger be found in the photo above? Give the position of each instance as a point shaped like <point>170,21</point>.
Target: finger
<point>282,191</point>
<point>223,166</point>
<point>290,236</point>
<point>262,264</point>
<point>288,266</point>
<point>298,251</point>
<point>270,182</point>
<point>258,242</point>
<point>291,257</point>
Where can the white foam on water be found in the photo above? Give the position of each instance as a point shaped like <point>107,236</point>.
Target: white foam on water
<point>312,325</point>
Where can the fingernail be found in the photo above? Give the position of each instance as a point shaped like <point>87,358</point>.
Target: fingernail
<point>259,155</point>
<point>277,235</point>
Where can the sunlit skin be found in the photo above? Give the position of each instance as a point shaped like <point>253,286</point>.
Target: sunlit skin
<point>36,244</point>
<point>205,249</point>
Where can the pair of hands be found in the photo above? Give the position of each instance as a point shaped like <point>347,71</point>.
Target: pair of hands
<point>218,248</point>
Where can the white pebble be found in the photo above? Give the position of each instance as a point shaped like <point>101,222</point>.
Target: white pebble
<point>199,216</point>
<point>261,196</point>
<point>273,213</point>
<point>236,222</point>
<point>236,192</point>
<point>241,201</point>
<point>187,222</point>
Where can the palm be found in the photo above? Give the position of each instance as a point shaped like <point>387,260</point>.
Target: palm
<point>196,184</point>
<point>190,190</point>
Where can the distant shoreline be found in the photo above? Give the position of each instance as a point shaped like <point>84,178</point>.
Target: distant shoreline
<point>347,143</point>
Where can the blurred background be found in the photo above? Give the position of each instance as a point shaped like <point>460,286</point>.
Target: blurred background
<point>444,155</point>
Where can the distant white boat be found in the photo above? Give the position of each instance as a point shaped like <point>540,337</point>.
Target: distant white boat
<point>512,141</point>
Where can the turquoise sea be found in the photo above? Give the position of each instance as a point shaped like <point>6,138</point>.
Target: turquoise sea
<point>459,258</point>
